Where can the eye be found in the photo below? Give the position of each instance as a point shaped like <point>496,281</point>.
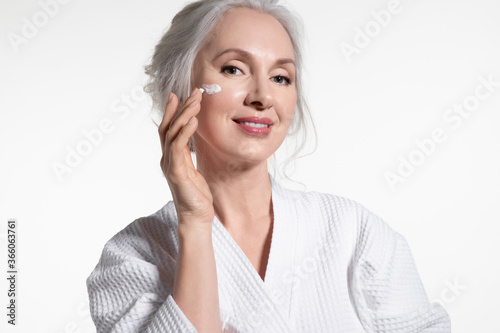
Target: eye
<point>282,80</point>
<point>231,70</point>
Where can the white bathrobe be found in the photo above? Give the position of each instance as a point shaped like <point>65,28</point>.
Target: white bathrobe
<point>333,267</point>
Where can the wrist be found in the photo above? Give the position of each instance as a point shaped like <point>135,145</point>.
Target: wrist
<point>197,231</point>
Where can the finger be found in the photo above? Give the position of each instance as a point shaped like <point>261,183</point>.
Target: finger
<point>180,121</point>
<point>171,112</point>
<point>170,109</point>
<point>195,96</point>
<point>188,158</point>
<point>178,146</point>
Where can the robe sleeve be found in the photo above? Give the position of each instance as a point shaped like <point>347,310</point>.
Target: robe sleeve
<point>389,291</point>
<point>130,288</point>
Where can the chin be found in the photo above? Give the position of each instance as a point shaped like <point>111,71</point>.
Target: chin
<point>238,150</point>
<point>252,155</point>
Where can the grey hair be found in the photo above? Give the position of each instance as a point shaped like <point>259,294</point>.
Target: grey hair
<point>176,52</point>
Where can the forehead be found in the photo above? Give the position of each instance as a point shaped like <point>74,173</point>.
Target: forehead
<point>250,30</point>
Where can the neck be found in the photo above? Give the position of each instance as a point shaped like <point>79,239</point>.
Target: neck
<point>241,192</point>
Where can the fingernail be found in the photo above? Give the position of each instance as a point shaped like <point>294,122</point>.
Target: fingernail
<point>194,91</point>
<point>190,120</point>
<point>170,96</point>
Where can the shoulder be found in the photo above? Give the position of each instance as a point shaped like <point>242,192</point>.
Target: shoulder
<point>335,208</point>
<point>146,237</point>
<point>371,235</point>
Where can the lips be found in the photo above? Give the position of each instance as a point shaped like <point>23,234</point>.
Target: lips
<point>255,120</point>
<point>254,125</point>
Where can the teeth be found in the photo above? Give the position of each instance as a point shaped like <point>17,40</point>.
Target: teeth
<point>258,125</point>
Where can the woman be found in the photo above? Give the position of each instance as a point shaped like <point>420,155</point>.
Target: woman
<point>234,251</point>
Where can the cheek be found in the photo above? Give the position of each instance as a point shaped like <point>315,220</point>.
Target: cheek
<point>288,109</point>
<point>215,111</point>
<point>291,108</point>
<point>223,104</point>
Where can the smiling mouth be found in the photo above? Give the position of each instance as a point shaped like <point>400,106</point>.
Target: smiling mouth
<point>259,126</point>
<point>252,124</point>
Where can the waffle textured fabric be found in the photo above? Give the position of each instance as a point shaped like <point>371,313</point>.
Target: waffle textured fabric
<point>333,266</point>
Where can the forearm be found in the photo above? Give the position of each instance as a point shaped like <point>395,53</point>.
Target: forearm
<point>195,283</point>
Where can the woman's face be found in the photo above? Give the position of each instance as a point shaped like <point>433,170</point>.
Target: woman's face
<point>250,56</point>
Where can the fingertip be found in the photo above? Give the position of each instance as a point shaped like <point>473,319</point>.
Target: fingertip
<point>171,97</point>
<point>171,103</point>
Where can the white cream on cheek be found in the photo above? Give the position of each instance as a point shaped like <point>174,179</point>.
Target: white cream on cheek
<point>210,89</point>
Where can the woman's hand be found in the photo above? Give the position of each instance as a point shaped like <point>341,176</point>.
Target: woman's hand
<point>191,194</point>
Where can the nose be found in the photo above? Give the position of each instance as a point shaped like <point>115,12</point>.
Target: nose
<point>260,94</point>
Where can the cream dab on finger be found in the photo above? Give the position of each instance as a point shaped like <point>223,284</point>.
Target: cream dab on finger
<point>210,89</point>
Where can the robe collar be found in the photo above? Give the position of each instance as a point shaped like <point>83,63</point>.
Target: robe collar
<point>247,302</point>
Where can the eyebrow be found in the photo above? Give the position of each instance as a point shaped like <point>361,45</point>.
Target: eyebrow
<point>248,55</point>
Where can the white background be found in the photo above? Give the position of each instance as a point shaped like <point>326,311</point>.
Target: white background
<point>84,62</point>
